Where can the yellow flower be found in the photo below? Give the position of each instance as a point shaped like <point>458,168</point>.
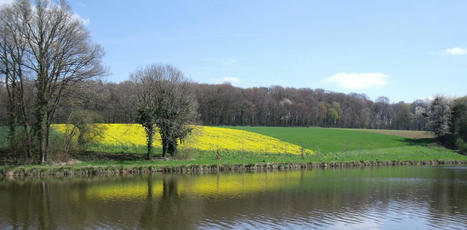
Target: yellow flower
<point>202,138</point>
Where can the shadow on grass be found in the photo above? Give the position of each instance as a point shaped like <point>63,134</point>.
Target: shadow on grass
<point>102,156</point>
<point>421,141</point>
<point>6,158</point>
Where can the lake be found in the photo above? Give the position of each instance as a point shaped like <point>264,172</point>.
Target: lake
<point>351,198</point>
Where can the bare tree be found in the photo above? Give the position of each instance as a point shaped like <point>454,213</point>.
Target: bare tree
<point>3,103</point>
<point>147,95</point>
<point>57,51</point>
<point>164,100</point>
<point>13,49</point>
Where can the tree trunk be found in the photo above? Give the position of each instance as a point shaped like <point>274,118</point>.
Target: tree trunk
<point>164,146</point>
<point>12,132</point>
<point>42,131</point>
<point>12,123</point>
<point>150,136</point>
<point>27,133</point>
<point>47,138</point>
<point>13,119</point>
<point>172,147</point>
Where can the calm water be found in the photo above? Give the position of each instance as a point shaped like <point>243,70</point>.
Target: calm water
<point>369,198</point>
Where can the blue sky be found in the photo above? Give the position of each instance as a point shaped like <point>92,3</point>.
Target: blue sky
<point>404,50</point>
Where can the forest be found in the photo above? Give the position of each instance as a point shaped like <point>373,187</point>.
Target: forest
<point>224,104</point>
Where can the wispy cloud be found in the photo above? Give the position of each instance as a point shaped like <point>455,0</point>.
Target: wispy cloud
<point>358,80</point>
<point>455,51</point>
<point>427,98</point>
<point>228,79</point>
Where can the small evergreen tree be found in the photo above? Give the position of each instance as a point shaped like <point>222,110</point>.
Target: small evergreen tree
<point>439,116</point>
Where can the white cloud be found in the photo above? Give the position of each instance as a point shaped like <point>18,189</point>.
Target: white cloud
<point>455,51</point>
<point>428,98</point>
<point>358,80</point>
<point>5,2</point>
<point>74,16</point>
<point>227,79</point>
<point>84,21</point>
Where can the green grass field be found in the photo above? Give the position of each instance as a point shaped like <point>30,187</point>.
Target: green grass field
<point>403,133</point>
<point>328,140</point>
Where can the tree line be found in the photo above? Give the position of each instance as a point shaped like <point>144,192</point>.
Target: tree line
<point>224,104</point>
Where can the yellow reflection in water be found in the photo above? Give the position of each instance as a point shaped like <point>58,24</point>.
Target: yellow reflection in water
<point>123,191</point>
<point>219,185</point>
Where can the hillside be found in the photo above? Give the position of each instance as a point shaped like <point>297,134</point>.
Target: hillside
<point>333,139</point>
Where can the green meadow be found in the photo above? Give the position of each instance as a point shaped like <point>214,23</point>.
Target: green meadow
<point>328,140</point>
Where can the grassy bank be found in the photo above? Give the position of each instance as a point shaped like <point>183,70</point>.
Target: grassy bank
<point>104,163</point>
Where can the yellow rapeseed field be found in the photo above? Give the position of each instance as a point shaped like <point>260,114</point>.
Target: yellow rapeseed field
<point>202,138</point>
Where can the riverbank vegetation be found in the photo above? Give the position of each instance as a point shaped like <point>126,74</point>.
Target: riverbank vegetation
<point>206,162</point>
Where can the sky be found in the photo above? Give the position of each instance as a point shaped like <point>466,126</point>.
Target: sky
<point>404,50</point>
